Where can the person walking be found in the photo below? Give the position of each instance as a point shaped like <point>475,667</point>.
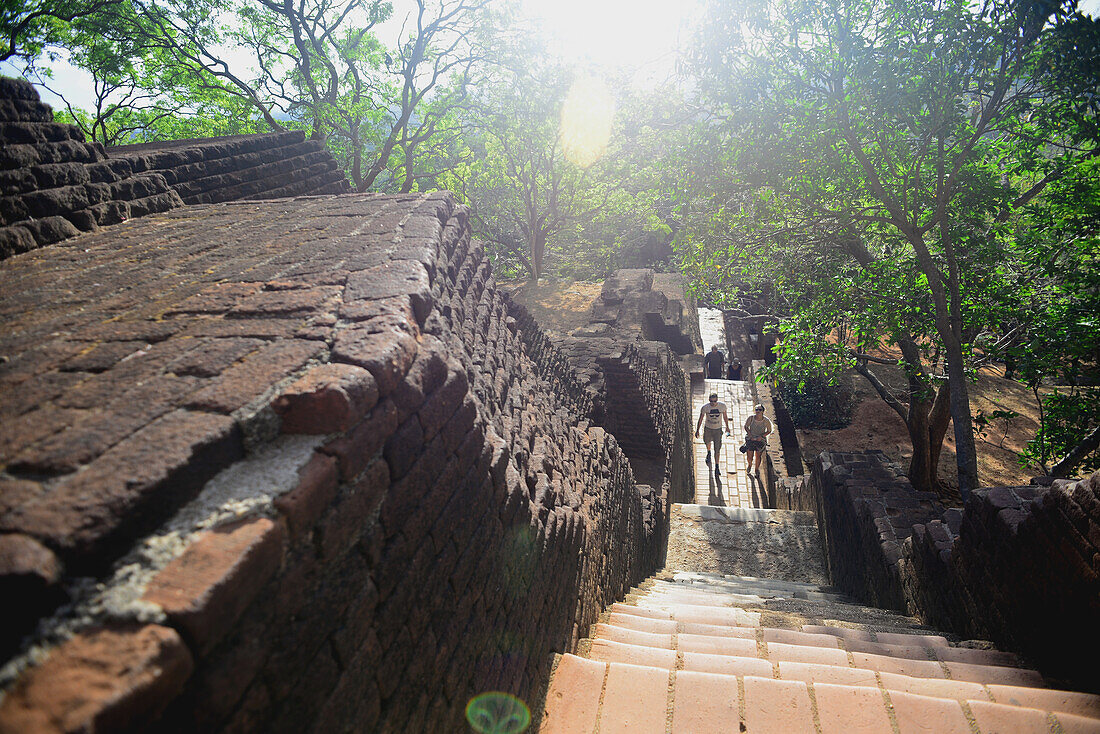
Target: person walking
<point>712,363</point>
<point>714,413</point>
<point>734,370</point>
<point>757,428</point>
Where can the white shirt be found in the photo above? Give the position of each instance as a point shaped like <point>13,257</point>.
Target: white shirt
<point>713,413</point>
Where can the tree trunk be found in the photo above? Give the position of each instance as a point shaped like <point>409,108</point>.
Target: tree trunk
<point>1077,454</point>
<point>966,457</point>
<point>922,470</point>
<point>938,421</point>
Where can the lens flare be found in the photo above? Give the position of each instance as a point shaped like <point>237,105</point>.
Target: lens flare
<point>497,713</point>
<point>586,117</point>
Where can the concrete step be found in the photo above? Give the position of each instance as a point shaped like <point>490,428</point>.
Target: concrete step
<point>729,616</point>
<point>771,592</point>
<point>625,633</point>
<point>613,648</point>
<point>718,580</point>
<point>586,695</point>
<point>889,638</point>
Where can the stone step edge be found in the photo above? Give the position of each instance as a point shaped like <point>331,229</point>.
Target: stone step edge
<point>759,592</point>
<point>984,674</point>
<point>987,710</point>
<point>691,578</point>
<point>745,515</point>
<point>930,653</point>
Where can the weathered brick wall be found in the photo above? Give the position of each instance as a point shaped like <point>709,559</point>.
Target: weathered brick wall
<point>53,185</point>
<point>408,510</point>
<point>866,509</point>
<point>1018,565</point>
<point>211,170</point>
<point>1022,568</point>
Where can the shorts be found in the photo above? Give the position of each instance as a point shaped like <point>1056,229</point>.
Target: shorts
<point>755,444</point>
<point>714,435</point>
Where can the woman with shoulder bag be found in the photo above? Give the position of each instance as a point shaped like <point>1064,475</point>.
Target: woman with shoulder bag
<point>757,429</point>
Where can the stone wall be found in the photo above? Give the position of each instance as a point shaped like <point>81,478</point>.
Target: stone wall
<point>349,487</point>
<point>212,170</point>
<point>1019,566</point>
<point>54,185</point>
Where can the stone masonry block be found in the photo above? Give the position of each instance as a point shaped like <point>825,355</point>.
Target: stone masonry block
<point>386,354</point>
<point>247,380</point>
<point>316,488</point>
<point>106,680</point>
<point>88,515</point>
<point>355,450</point>
<point>398,278</point>
<point>328,398</point>
<point>206,589</point>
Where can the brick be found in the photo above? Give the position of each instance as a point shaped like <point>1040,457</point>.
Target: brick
<point>635,699</point>
<point>214,299</point>
<point>397,278</point>
<point>1071,724</point>
<point>387,354</point>
<point>426,375</point>
<point>249,379</point>
<point>994,718</point>
<point>848,710</point>
<point>917,714</point>
<point>901,666</point>
<point>360,446</point>
<point>717,645</point>
<point>348,518</point>
<point>206,589</point>
<point>311,497</point>
<point>705,703</point>
<point>88,516</point>
<point>328,398</point>
<point>807,654</point>
<point>285,302</point>
<point>212,356</point>
<point>777,705</point>
<point>112,679</point>
<point>727,664</point>
<point>101,357</point>
<point>1045,699</point>
<point>814,673</point>
<point>404,447</point>
<point>15,492</point>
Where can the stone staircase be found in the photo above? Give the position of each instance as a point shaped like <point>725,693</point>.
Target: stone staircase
<point>704,652</point>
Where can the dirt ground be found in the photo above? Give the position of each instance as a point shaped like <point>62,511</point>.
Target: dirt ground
<point>875,426</point>
<point>560,307</point>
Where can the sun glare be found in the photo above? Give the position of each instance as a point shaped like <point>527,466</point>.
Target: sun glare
<point>586,117</point>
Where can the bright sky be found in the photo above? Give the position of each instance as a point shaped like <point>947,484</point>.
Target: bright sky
<point>642,34</point>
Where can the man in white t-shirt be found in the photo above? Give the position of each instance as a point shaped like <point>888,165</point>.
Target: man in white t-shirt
<point>714,413</point>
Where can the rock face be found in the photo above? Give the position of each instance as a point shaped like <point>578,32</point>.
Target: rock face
<point>54,185</point>
<point>326,476</point>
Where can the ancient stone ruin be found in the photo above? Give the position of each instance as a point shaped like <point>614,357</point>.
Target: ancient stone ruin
<point>282,462</point>
<point>54,185</point>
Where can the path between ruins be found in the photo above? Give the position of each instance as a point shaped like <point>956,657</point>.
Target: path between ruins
<point>740,632</point>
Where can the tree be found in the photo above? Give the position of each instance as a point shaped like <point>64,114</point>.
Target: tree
<point>522,186</point>
<point>29,27</point>
<point>320,65</point>
<point>891,146</point>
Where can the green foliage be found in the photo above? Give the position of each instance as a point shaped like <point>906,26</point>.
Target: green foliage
<point>1067,417</point>
<point>815,403</point>
<point>877,173</point>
